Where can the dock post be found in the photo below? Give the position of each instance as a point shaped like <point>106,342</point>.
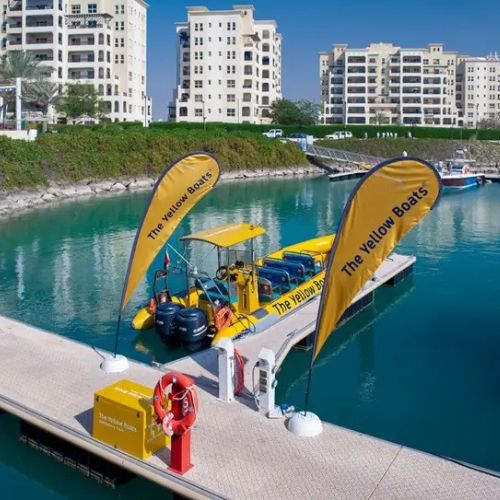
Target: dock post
<point>268,383</point>
<point>226,368</point>
<point>180,446</point>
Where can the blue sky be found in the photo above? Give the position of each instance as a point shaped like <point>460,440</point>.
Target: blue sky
<point>466,26</point>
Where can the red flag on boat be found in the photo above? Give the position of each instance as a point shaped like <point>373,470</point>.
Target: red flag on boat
<point>167,259</point>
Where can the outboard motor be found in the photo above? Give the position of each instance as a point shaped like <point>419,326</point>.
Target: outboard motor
<point>166,321</point>
<point>192,328</point>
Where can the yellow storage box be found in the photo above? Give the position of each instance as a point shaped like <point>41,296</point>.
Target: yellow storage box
<point>124,418</point>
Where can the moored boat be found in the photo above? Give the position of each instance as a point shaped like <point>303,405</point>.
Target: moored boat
<point>245,295</point>
<point>458,174</point>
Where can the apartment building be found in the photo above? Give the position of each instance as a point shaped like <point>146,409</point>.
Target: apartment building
<point>228,67</point>
<point>478,89</point>
<point>390,85</point>
<point>101,43</point>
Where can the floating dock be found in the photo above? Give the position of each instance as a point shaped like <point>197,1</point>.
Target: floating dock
<point>49,381</point>
<point>347,176</point>
<point>492,177</point>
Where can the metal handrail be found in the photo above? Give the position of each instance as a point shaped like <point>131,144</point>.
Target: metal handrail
<point>341,155</point>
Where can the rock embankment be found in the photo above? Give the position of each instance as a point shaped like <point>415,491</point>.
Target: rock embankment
<point>19,201</point>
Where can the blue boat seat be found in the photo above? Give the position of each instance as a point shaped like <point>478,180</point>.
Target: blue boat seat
<point>295,270</point>
<point>214,289</point>
<point>266,292</point>
<point>306,260</point>
<point>278,278</point>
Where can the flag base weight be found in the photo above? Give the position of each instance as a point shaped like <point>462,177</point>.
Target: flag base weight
<point>115,364</point>
<point>305,425</point>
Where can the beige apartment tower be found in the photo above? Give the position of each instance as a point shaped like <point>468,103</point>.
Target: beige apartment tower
<point>101,42</point>
<point>384,84</point>
<point>228,67</point>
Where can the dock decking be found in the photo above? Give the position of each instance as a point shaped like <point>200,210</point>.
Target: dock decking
<point>238,453</point>
<point>347,176</point>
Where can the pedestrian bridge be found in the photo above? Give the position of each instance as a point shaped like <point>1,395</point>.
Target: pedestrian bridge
<point>341,156</point>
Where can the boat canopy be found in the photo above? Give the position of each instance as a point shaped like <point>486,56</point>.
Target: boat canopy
<point>227,235</point>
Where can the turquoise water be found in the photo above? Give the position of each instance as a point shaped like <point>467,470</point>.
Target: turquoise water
<point>418,367</point>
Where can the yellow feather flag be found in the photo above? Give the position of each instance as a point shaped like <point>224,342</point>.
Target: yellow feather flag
<point>388,201</point>
<point>181,186</point>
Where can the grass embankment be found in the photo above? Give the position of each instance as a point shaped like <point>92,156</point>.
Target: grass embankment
<point>112,153</point>
<point>430,149</point>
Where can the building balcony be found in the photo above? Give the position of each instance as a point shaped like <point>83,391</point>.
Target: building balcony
<point>412,79</point>
<point>356,100</point>
<point>432,111</point>
<point>352,70</point>
<point>356,60</point>
<point>412,111</point>
<point>14,6</point>
<point>434,102</point>
<point>356,80</point>
<point>412,59</point>
<point>412,90</point>
<point>412,100</point>
<point>82,75</point>
<point>356,90</point>
<point>81,42</point>
<point>395,71</point>
<point>412,69</point>
<point>74,59</point>
<point>433,81</point>
<point>432,91</point>
<point>40,7</point>
<point>14,28</point>
<point>41,42</point>
<point>15,42</point>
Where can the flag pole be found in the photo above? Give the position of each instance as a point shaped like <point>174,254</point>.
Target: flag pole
<point>309,376</point>
<point>115,351</point>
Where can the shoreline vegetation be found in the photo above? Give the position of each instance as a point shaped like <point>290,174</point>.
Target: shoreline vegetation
<point>87,161</point>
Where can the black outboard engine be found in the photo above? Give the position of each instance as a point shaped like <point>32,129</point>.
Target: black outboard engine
<point>192,328</point>
<point>166,321</point>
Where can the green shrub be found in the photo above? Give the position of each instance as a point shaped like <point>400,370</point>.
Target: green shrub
<point>106,152</point>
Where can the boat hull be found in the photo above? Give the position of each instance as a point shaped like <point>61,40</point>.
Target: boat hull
<point>462,181</point>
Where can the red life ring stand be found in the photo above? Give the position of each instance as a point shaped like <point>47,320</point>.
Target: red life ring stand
<point>173,424</point>
<point>223,317</point>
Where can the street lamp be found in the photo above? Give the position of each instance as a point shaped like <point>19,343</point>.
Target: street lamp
<point>477,114</point>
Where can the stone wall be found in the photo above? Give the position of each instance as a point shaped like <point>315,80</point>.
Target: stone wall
<point>20,201</point>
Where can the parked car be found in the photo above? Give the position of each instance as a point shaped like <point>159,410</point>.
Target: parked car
<point>345,134</point>
<point>274,133</point>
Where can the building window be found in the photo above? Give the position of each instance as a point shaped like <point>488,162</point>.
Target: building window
<point>116,58</point>
<point>122,25</point>
<point>123,9</point>
<point>231,84</point>
<point>231,112</point>
<point>122,59</point>
<point>231,98</point>
<point>92,8</point>
<point>129,76</point>
<point>122,42</point>
<point>76,9</point>
<point>234,26</point>
<point>198,84</point>
<point>198,98</point>
<point>117,9</point>
<point>198,112</point>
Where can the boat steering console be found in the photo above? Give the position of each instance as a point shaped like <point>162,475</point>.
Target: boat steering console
<point>222,272</point>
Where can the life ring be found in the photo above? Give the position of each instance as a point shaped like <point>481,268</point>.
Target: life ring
<point>223,317</point>
<point>189,399</point>
<point>152,306</point>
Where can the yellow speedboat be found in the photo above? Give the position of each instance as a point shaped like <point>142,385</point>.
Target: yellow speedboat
<point>245,295</point>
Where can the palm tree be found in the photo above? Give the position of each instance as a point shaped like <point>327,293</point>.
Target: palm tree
<point>43,94</point>
<point>21,64</point>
